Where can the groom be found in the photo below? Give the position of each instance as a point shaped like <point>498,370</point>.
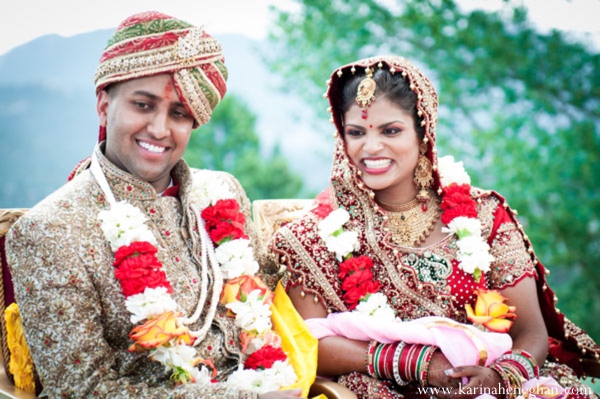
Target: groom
<point>158,78</point>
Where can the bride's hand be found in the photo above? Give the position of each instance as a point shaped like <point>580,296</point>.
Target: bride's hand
<point>436,375</point>
<point>475,381</point>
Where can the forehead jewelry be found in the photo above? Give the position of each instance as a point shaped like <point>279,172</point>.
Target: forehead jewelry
<point>365,95</point>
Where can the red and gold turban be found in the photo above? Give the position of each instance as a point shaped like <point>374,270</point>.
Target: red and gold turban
<point>153,43</point>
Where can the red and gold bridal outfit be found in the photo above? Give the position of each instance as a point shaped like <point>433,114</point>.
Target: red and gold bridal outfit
<point>419,281</point>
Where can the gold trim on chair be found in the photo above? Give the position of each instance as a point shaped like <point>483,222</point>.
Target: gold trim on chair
<point>331,390</point>
<point>270,215</point>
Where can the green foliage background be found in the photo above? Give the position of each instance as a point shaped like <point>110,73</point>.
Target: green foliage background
<point>520,108</point>
<point>229,142</point>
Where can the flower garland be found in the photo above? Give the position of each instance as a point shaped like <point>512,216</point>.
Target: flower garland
<point>459,214</point>
<point>360,289</point>
<point>148,293</point>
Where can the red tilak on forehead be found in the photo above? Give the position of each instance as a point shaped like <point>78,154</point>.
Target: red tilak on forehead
<point>168,90</point>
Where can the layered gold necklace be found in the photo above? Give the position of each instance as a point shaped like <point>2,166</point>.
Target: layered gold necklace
<point>409,223</point>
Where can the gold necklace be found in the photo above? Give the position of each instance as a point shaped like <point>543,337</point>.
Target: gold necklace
<point>409,223</point>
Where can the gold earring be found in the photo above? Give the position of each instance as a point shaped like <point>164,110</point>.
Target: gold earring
<point>423,175</point>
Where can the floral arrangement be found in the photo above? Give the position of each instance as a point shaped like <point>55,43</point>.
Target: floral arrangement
<point>148,293</point>
<point>460,215</point>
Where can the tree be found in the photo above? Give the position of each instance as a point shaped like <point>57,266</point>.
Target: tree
<point>521,108</point>
<point>229,142</point>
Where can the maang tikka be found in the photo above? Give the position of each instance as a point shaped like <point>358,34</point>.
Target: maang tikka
<point>423,176</point>
<point>365,94</point>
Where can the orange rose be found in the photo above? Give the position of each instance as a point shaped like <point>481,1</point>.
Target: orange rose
<point>158,331</point>
<point>238,288</point>
<point>491,312</point>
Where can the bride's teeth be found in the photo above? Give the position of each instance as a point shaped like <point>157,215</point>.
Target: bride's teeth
<point>379,164</point>
<point>152,148</point>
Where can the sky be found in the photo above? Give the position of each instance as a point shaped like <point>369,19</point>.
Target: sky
<point>24,20</point>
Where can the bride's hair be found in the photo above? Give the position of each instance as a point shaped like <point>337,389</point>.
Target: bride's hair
<point>393,87</point>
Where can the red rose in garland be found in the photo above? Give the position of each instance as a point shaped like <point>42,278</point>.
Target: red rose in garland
<point>357,279</point>
<point>456,202</point>
<point>354,295</point>
<point>323,204</point>
<point>137,267</point>
<point>264,357</point>
<point>224,221</point>
<point>351,265</point>
<point>134,249</point>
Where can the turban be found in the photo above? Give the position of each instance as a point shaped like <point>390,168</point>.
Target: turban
<point>153,43</point>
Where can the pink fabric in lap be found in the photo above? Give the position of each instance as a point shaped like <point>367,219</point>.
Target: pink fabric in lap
<point>462,344</point>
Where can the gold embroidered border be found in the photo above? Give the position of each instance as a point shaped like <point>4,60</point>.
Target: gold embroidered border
<point>512,260</point>
<point>314,268</point>
<point>193,95</point>
<point>151,62</point>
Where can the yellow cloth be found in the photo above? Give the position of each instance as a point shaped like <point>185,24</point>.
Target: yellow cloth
<point>297,341</point>
<point>21,364</point>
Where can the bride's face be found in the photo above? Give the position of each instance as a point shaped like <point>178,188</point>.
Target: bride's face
<point>385,147</point>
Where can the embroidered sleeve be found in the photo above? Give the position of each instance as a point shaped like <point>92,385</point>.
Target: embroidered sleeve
<point>308,263</point>
<point>512,261</point>
<point>64,319</point>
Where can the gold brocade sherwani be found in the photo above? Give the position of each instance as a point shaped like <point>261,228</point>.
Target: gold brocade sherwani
<point>73,311</point>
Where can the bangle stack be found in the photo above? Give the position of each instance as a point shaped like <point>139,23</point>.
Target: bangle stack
<point>511,379</point>
<point>384,361</point>
<point>399,362</point>
<point>515,367</point>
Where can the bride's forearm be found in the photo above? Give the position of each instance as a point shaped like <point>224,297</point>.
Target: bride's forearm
<point>338,355</point>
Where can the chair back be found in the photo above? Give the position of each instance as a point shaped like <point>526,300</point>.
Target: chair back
<point>269,215</point>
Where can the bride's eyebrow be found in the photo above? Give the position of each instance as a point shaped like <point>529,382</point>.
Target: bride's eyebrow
<point>384,125</point>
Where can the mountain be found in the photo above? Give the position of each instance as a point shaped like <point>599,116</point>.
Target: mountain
<point>48,121</point>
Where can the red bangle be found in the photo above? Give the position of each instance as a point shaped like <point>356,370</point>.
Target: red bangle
<point>370,352</point>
